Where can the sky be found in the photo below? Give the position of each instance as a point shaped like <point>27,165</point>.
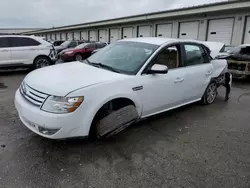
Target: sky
<point>53,13</point>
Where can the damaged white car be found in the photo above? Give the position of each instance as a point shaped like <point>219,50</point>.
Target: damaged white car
<point>127,81</point>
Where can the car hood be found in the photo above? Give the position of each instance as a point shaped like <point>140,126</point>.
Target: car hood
<point>60,47</point>
<point>66,50</point>
<point>62,79</point>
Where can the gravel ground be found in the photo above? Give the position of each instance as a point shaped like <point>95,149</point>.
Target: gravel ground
<point>194,146</point>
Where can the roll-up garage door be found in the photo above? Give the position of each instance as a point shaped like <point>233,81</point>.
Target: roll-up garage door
<point>144,31</point>
<point>164,30</point>
<point>220,30</point>
<point>92,36</point>
<point>77,35</point>
<point>58,36</point>
<point>70,35</point>
<point>247,32</point>
<point>189,30</point>
<point>63,36</point>
<point>84,35</point>
<point>127,32</point>
<point>103,35</point>
<point>114,35</point>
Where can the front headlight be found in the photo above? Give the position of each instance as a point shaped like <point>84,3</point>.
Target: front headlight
<point>62,105</point>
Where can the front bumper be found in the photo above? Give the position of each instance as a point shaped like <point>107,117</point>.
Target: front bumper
<point>44,123</point>
<point>239,74</point>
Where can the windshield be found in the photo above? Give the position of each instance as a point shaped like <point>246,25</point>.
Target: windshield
<point>81,46</point>
<point>126,57</point>
<point>227,48</point>
<point>65,43</point>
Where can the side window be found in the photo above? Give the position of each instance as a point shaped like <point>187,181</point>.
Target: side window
<point>91,45</point>
<point>169,57</point>
<point>4,42</point>
<point>72,44</point>
<point>195,55</point>
<point>22,42</point>
<point>101,45</point>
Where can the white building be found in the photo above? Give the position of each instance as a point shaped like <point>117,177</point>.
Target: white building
<point>227,22</point>
<point>9,31</point>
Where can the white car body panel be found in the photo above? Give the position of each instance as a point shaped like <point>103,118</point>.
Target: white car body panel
<point>157,93</point>
<point>5,56</point>
<point>78,75</point>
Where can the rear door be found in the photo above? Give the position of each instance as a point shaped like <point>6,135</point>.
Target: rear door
<point>23,50</point>
<point>198,71</point>
<point>5,55</point>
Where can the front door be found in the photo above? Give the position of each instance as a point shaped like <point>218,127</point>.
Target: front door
<point>5,55</point>
<point>163,91</point>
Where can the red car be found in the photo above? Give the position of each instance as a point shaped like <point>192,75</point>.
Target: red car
<point>80,52</point>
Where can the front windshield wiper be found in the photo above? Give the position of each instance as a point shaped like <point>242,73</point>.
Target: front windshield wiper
<point>100,65</point>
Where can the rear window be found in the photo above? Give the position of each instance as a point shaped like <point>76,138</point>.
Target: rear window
<point>22,42</point>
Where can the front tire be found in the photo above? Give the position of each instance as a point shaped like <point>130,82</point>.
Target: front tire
<point>210,94</point>
<point>78,57</point>
<point>41,62</point>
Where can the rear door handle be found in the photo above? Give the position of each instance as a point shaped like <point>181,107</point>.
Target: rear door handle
<point>179,80</point>
<point>4,50</point>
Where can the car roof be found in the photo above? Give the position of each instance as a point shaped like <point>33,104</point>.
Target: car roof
<point>159,40</point>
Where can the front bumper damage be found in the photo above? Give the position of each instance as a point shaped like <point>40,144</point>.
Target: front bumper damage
<point>239,69</point>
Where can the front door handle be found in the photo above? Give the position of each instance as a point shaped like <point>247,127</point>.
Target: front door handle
<point>209,73</point>
<point>179,80</point>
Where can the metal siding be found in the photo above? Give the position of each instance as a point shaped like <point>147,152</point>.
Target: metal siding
<point>144,31</point>
<point>127,32</point>
<point>189,30</point>
<point>92,36</point>
<point>247,31</point>
<point>77,35</point>
<point>220,30</point>
<point>84,35</point>
<point>114,35</point>
<point>102,35</point>
<point>164,30</point>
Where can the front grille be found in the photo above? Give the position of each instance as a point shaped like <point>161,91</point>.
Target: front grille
<point>33,96</point>
<point>237,66</point>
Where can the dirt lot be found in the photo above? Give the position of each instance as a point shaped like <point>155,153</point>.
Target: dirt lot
<point>195,146</point>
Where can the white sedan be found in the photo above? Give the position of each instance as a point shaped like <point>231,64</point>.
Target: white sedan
<point>126,81</point>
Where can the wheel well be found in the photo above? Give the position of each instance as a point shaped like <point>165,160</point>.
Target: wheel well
<point>39,57</point>
<point>104,110</point>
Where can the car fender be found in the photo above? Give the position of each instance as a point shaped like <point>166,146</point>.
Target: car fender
<point>97,95</point>
<point>219,66</point>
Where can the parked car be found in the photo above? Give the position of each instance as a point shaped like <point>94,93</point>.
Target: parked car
<point>68,44</point>
<point>96,50</point>
<point>25,51</point>
<point>239,61</point>
<point>128,80</point>
<point>57,42</point>
<point>80,52</point>
<point>218,48</point>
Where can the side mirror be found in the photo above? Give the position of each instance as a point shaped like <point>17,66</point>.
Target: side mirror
<point>158,69</point>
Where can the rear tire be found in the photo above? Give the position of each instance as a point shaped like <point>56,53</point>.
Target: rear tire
<point>210,94</point>
<point>41,62</point>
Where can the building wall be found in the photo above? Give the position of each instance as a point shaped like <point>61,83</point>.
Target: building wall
<point>16,30</point>
<point>237,34</point>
